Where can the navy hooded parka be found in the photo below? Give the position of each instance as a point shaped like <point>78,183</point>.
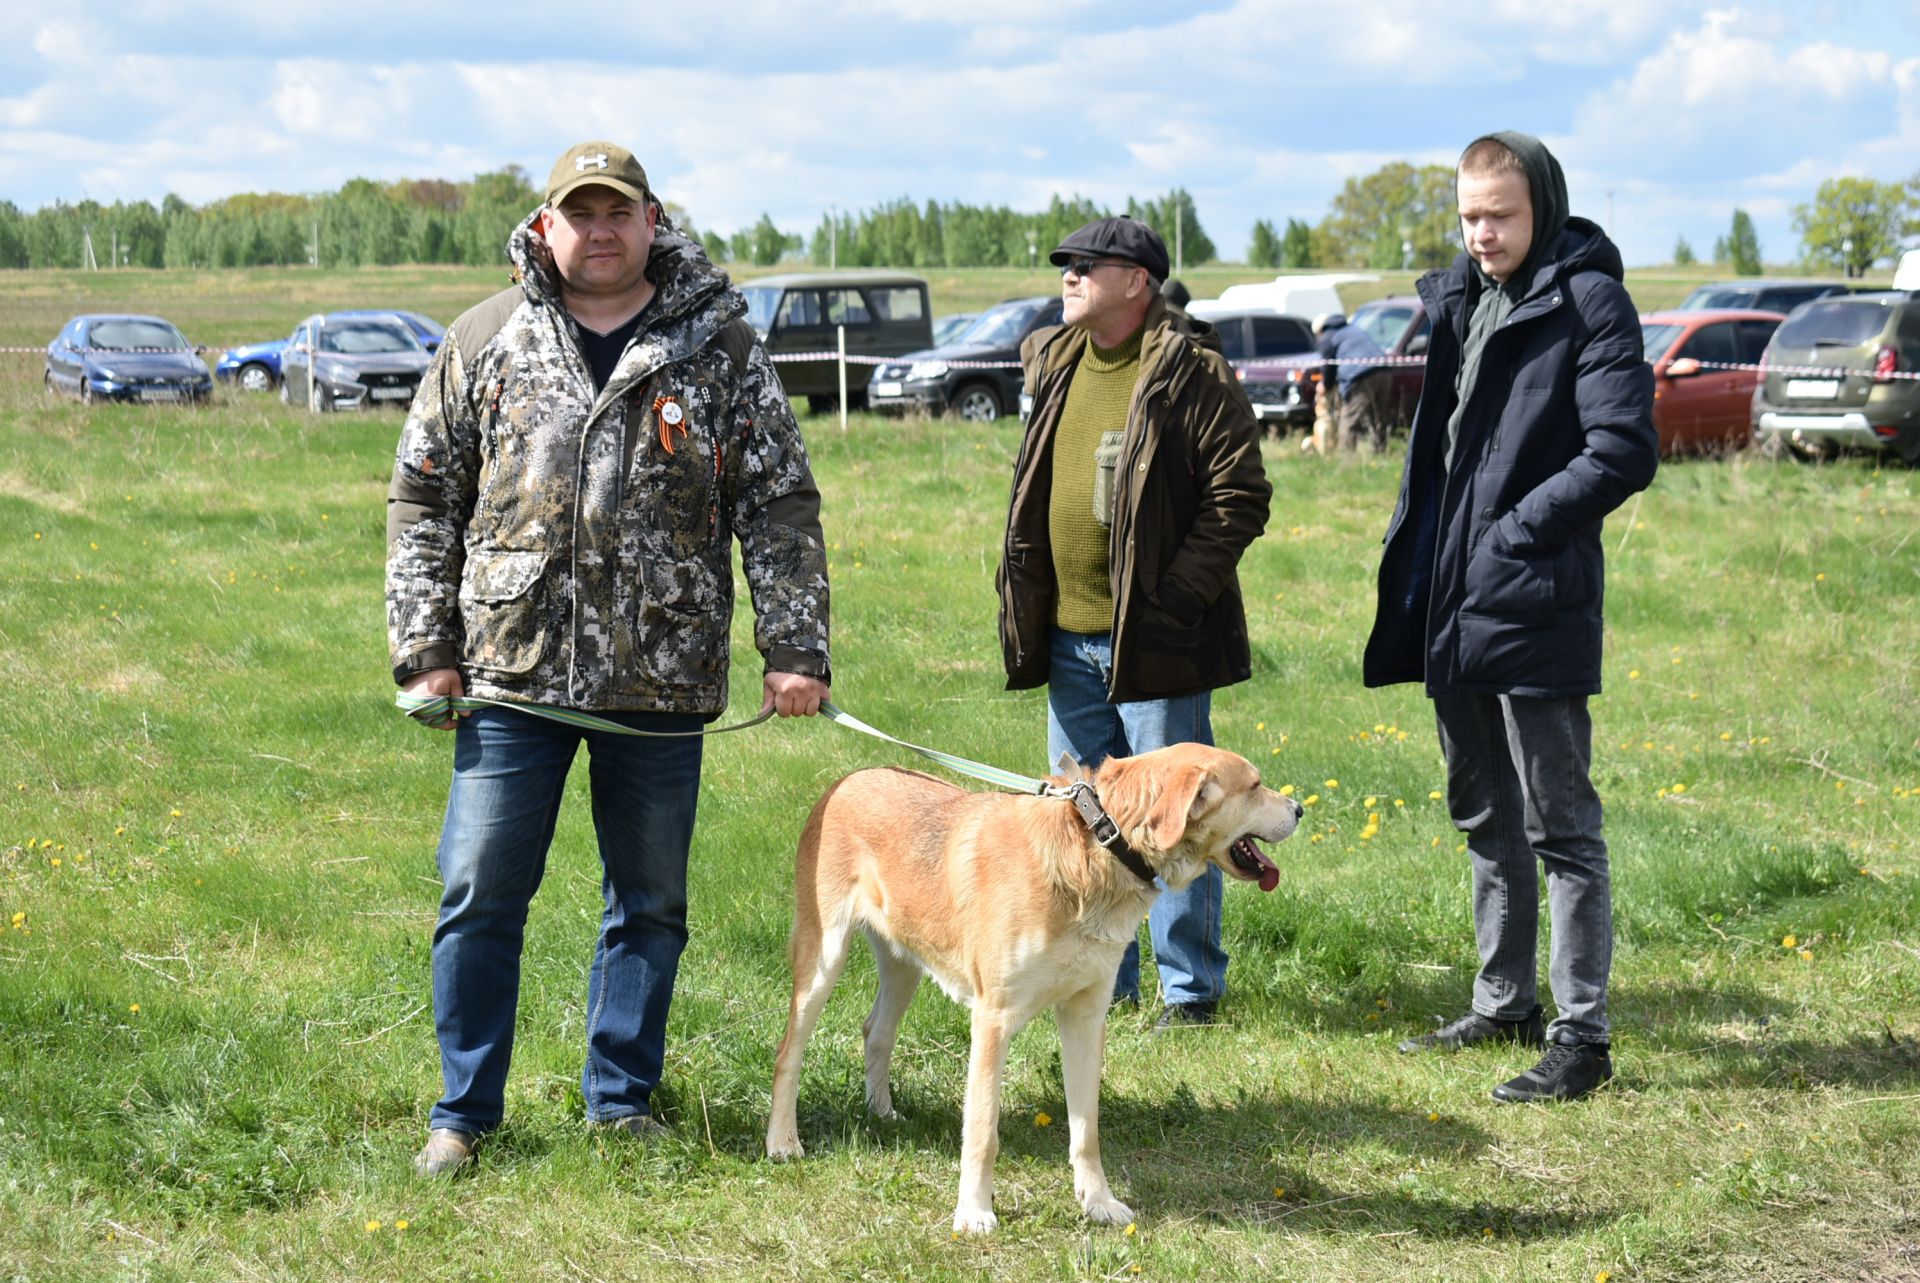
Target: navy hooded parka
<point>1492,575</point>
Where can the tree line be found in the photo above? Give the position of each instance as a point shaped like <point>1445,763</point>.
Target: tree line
<point>1400,215</point>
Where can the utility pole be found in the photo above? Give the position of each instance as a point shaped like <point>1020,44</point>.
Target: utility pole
<point>87,260</point>
<point>1179,222</point>
<point>833,239</point>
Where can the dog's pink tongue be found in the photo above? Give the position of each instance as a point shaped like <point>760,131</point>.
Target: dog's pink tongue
<point>1269,876</point>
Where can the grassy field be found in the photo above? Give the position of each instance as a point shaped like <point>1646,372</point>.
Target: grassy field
<point>217,891</point>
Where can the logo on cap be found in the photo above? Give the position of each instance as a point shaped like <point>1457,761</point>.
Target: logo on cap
<point>582,164</point>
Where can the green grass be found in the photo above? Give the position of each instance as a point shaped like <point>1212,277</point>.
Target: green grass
<point>210,811</point>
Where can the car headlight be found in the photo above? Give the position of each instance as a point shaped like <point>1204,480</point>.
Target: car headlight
<point>926,370</point>
<point>106,374</point>
<point>334,371</point>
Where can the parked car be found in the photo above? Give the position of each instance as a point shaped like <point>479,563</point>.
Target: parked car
<point>885,314</point>
<point>1300,294</point>
<point>1759,294</point>
<point>1833,378</point>
<point>948,328</point>
<point>357,359</point>
<point>1287,388</point>
<point>1699,406</point>
<point>946,378</point>
<point>256,366</point>
<point>121,357</point>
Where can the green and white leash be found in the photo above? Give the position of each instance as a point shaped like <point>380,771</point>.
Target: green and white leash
<point>438,708</point>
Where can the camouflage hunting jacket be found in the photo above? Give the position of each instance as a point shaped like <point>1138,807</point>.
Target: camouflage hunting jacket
<point>561,547</point>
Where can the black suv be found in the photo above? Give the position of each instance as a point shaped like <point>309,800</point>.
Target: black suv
<point>1841,372</point>
<point>976,376</point>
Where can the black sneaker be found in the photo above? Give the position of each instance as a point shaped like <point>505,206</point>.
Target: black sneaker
<point>1181,1015</point>
<point>1566,1072</point>
<point>1474,1028</point>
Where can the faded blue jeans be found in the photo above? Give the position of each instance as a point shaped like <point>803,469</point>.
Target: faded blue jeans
<point>1519,786</point>
<point>1185,924</point>
<point>509,773</point>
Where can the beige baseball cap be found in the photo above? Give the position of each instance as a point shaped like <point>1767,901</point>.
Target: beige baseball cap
<point>597,162</point>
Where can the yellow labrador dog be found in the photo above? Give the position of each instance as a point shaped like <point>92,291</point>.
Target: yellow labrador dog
<point>1013,907</point>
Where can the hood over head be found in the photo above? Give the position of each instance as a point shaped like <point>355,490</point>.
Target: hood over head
<point>1546,184</point>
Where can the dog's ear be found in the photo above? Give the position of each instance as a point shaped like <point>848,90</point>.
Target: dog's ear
<point>1183,795</point>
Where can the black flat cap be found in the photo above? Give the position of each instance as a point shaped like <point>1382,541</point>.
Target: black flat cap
<point>1127,238</point>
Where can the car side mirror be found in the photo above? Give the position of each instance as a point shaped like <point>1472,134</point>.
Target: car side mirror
<point>1417,345</point>
<point>1683,368</point>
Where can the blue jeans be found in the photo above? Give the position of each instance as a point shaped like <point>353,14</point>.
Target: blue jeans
<point>1519,786</point>
<point>509,773</point>
<point>1184,924</point>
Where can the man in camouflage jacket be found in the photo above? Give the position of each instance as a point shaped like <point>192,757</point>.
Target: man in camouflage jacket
<point>583,450</point>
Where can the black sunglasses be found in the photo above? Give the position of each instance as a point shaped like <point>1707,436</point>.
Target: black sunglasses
<point>1084,266</point>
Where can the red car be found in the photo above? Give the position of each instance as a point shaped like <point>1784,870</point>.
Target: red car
<point>1699,405</point>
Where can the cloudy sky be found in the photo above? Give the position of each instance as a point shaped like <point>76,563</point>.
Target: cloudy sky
<point>1674,111</point>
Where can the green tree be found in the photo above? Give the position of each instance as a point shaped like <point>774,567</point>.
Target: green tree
<point>1852,222</point>
<point>1296,247</point>
<point>1743,245</point>
<point>1263,248</point>
<point>1682,253</point>
<point>1174,217</point>
<point>1375,214</point>
<point>767,244</point>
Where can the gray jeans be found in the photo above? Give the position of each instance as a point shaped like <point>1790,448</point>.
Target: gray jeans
<point>1519,787</point>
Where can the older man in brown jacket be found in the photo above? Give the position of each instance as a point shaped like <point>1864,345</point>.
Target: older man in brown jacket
<point>1137,489</point>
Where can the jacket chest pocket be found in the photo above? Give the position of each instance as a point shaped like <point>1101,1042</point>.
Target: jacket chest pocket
<point>1106,463</point>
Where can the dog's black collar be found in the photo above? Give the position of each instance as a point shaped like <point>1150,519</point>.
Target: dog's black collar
<point>1106,832</point>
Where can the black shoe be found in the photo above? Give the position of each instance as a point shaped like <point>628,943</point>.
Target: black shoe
<point>1180,1015</point>
<point>1474,1028</point>
<point>1566,1072</point>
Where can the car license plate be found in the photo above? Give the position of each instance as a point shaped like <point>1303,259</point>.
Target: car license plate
<point>391,394</point>
<point>161,394</point>
<point>1813,389</point>
<point>886,389</point>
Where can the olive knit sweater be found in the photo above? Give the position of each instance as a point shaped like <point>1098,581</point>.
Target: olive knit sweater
<point>1096,405</point>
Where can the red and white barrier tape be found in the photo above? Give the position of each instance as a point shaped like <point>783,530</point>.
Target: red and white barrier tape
<point>853,359</point>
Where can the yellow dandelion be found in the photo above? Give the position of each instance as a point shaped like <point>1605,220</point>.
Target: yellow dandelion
<point>1332,784</point>
<point>1373,1015</point>
<point>373,1226</point>
<point>1435,796</point>
<point>1725,736</point>
<point>1633,675</point>
<point>1132,1229</point>
<point>1806,955</point>
<point>1486,1231</point>
<point>118,831</point>
<point>1679,788</point>
<point>1399,801</point>
<point>1788,942</point>
<point>1274,751</point>
<point>1820,578</point>
<point>1318,837</point>
<point>55,861</point>
<point>1839,786</point>
<point>1601,1277</point>
<point>1286,790</point>
<point>1312,799</point>
<point>134,1008</point>
<point>1043,1119</point>
<point>1433,1116</point>
<point>400,1225</point>
<point>1379,728</point>
<point>19,917</point>
<point>1371,802</point>
<point>175,813</point>
<point>1279,1192</point>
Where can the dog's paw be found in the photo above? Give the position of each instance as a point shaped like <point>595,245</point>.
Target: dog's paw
<point>783,1148</point>
<point>1107,1210</point>
<point>974,1220</point>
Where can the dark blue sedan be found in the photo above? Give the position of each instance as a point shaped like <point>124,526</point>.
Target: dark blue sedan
<point>117,357</point>
<point>256,367</point>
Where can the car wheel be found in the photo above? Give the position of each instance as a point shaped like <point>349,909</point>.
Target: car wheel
<point>975,403</point>
<point>87,396</point>
<point>254,377</point>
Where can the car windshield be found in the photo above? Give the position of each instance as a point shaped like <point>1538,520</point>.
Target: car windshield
<point>1717,296</point>
<point>1832,323</point>
<point>762,302</point>
<point>121,335</point>
<point>359,338</point>
<point>1658,338</point>
<point>999,326</point>
<point>1384,323</point>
